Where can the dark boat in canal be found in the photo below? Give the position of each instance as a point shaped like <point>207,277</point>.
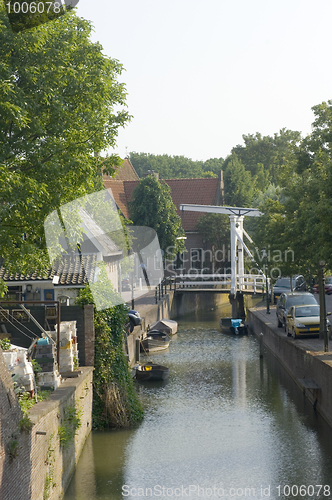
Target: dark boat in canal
<point>233,326</point>
<point>155,341</point>
<point>151,372</point>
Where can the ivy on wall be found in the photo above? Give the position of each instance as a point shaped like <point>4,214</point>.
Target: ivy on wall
<point>115,401</point>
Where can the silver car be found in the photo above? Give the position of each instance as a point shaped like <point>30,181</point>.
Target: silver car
<point>287,300</point>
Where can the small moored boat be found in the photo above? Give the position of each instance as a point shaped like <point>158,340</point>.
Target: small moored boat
<point>155,341</point>
<point>151,372</point>
<point>233,326</point>
<point>168,326</point>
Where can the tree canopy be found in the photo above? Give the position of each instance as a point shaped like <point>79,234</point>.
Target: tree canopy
<point>175,167</point>
<point>152,206</point>
<point>58,94</point>
<point>300,219</point>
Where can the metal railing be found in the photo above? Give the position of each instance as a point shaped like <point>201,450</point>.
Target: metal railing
<point>248,282</point>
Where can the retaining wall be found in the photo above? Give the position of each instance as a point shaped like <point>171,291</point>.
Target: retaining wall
<point>41,468</point>
<point>311,369</point>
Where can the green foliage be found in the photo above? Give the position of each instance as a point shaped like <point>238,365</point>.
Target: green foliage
<point>36,367</point>
<point>25,424</point>
<point>50,459</point>
<point>265,157</point>
<point>115,401</point>
<point>58,94</point>
<point>174,167</point>
<point>5,344</point>
<point>13,448</point>
<point>152,206</point>
<point>215,229</point>
<point>27,402</point>
<point>239,185</point>
<point>71,422</point>
<point>298,216</point>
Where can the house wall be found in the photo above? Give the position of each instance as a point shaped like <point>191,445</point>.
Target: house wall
<point>42,467</point>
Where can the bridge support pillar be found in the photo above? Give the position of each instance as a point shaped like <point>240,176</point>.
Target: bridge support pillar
<point>237,303</point>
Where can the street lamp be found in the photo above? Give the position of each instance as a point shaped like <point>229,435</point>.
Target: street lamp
<point>323,326</point>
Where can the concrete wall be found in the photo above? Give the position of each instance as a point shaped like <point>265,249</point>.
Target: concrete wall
<point>190,302</point>
<point>42,467</point>
<point>311,370</point>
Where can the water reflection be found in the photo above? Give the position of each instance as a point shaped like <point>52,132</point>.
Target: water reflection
<point>225,419</point>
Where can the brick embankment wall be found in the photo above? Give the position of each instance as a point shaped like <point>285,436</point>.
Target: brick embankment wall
<point>42,467</point>
<point>305,361</point>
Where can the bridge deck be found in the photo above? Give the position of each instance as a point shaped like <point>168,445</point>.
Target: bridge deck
<point>215,290</point>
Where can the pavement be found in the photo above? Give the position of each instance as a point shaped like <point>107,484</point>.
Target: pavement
<point>313,344</point>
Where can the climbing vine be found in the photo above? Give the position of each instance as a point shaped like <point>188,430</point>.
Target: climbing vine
<point>115,401</point>
<point>71,422</point>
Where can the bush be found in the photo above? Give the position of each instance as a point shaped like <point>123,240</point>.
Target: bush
<point>115,401</point>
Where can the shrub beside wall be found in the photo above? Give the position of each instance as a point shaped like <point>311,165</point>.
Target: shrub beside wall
<point>115,401</point>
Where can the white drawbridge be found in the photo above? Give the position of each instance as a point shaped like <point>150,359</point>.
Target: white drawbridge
<point>236,215</point>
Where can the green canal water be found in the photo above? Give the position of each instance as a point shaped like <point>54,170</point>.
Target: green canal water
<point>227,424</point>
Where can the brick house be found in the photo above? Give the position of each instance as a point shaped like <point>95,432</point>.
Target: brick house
<point>205,191</point>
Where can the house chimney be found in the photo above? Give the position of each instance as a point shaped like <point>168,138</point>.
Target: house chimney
<point>220,197</point>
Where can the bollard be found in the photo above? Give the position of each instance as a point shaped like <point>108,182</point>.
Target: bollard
<point>261,345</point>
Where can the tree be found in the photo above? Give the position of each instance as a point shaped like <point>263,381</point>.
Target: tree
<point>168,167</point>
<point>239,186</point>
<point>264,156</point>
<point>152,206</point>
<point>215,229</point>
<point>58,92</point>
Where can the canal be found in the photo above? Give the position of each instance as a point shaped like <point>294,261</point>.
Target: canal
<point>227,424</point>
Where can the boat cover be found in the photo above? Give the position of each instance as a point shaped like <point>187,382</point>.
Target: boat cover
<point>165,325</point>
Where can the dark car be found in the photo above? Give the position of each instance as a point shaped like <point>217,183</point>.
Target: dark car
<point>283,285</point>
<point>328,286</point>
<point>287,300</point>
<point>134,320</point>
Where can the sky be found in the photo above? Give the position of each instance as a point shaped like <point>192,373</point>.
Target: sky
<point>200,74</point>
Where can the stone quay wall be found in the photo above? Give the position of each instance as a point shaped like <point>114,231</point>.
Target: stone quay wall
<point>35,465</point>
<point>306,362</point>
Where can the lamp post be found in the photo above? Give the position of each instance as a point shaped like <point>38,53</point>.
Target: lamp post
<point>264,256</point>
<point>323,326</point>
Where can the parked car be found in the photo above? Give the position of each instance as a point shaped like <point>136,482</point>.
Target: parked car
<point>283,285</point>
<point>287,300</point>
<point>328,286</point>
<point>134,319</point>
<point>304,321</point>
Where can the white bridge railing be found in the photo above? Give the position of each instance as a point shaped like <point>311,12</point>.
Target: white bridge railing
<point>249,282</point>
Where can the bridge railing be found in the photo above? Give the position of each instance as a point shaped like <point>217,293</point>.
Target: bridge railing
<point>247,282</point>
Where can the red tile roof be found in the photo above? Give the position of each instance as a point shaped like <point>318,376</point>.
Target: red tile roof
<point>193,191</point>
<point>124,173</point>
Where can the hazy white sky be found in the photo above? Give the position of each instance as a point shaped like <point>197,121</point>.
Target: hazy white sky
<point>200,74</point>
